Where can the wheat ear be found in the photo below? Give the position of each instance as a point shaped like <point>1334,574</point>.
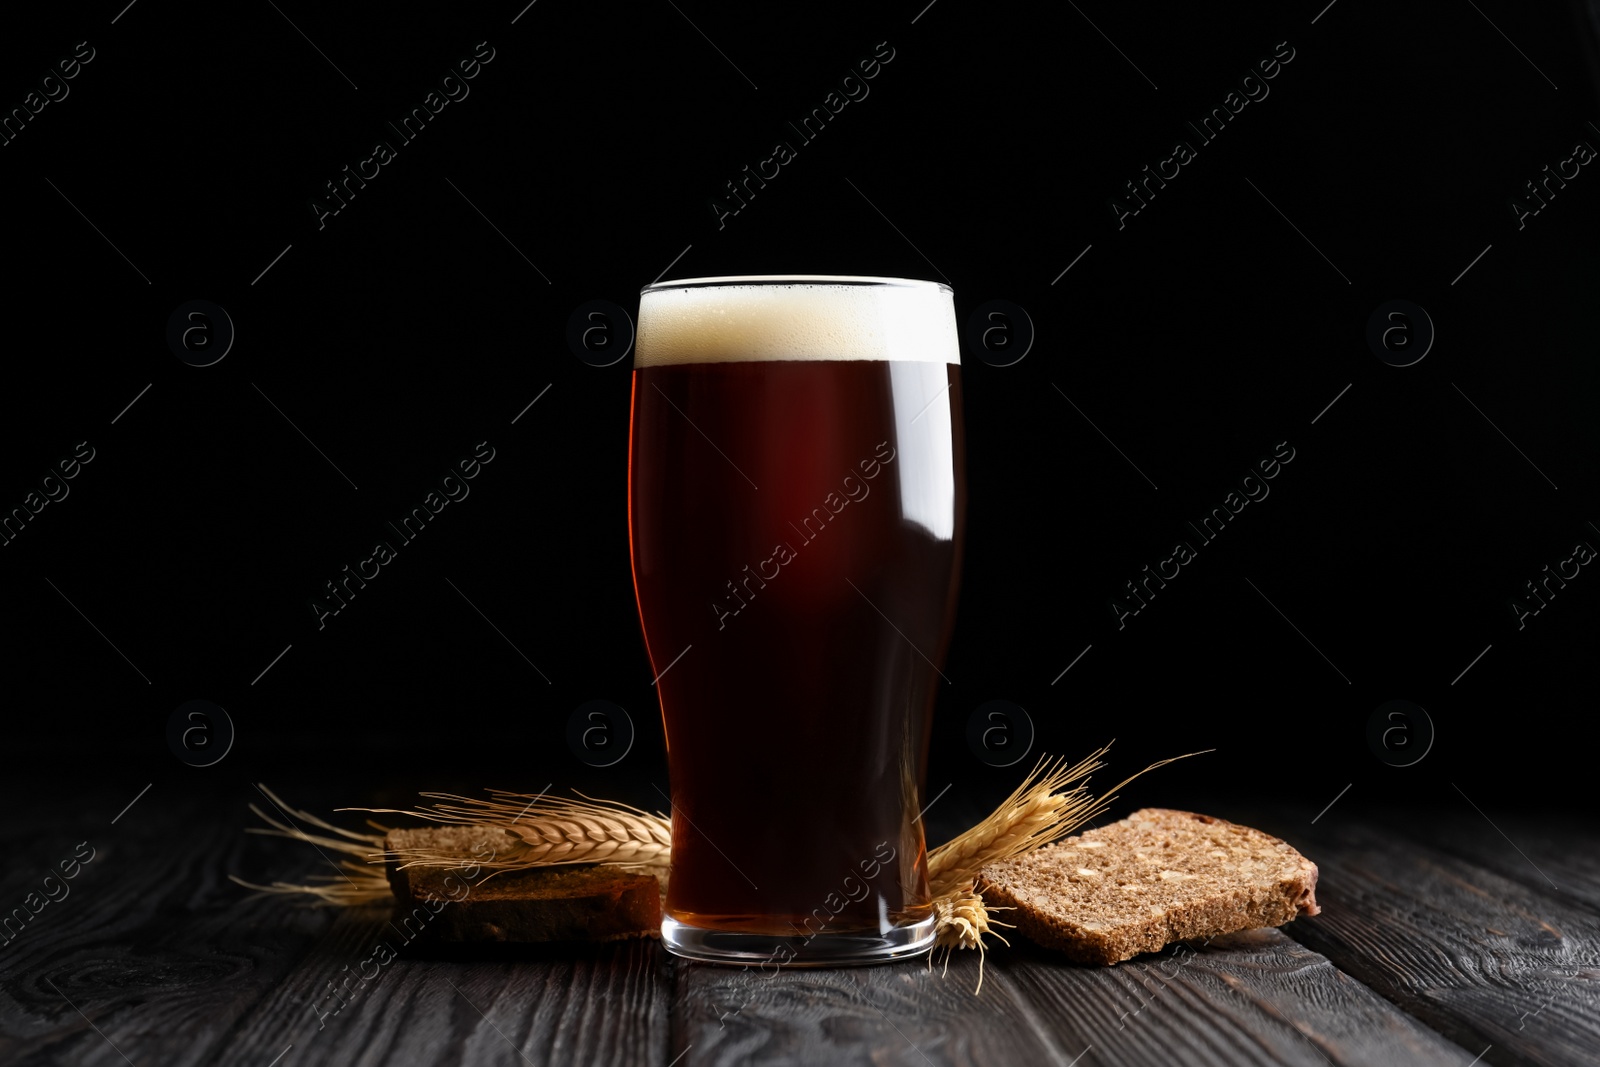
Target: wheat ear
<point>544,832</point>
<point>1040,811</point>
<point>962,918</point>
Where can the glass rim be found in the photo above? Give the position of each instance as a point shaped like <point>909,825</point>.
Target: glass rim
<point>734,280</point>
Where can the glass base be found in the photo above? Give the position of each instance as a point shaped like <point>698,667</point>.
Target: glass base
<point>776,950</point>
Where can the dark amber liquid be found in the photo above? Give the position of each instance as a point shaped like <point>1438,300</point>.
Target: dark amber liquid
<point>797,527</point>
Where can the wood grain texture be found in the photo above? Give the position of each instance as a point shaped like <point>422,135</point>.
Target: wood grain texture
<point>1248,998</point>
<point>1557,856</point>
<point>1485,959</point>
<point>1252,998</point>
<point>605,1004</point>
<point>177,965</point>
<point>173,964</point>
<point>153,945</point>
<point>901,1013</point>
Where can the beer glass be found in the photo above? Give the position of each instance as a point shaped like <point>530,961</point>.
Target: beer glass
<point>796,498</point>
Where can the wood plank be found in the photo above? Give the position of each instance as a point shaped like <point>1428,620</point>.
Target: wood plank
<point>1555,855</point>
<point>549,1005</point>
<point>176,965</point>
<point>362,994</point>
<point>904,1013</point>
<point>1484,959</point>
<point>1253,998</point>
<point>896,1013</point>
<point>1250,998</point>
<point>152,944</point>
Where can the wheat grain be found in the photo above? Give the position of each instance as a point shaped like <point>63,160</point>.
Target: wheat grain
<point>1039,812</point>
<point>539,833</point>
<point>1036,813</point>
<point>1051,803</point>
<point>961,918</point>
<point>546,833</point>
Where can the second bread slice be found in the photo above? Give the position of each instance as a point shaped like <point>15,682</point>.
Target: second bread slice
<point>1152,878</point>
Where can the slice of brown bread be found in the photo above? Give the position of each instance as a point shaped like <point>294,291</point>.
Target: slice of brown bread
<point>1152,878</point>
<point>589,902</point>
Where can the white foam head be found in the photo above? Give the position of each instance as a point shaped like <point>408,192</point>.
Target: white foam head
<point>795,317</point>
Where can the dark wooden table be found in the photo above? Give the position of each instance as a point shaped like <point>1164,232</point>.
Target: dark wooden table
<point>1445,939</point>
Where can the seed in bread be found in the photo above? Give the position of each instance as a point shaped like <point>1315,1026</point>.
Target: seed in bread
<point>1155,877</point>
<point>588,902</point>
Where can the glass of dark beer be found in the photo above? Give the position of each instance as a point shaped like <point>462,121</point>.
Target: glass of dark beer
<point>796,499</point>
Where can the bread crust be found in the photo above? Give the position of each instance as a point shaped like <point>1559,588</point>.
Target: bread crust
<point>575,902</point>
<point>1158,876</point>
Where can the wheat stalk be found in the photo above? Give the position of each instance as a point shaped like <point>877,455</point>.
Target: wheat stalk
<point>545,833</point>
<point>540,833</point>
<point>1036,813</point>
<point>1051,803</point>
<point>1039,812</point>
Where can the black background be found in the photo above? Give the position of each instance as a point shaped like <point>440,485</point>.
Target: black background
<point>429,312</point>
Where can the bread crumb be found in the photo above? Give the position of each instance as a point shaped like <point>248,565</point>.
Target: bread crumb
<point>1161,876</point>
